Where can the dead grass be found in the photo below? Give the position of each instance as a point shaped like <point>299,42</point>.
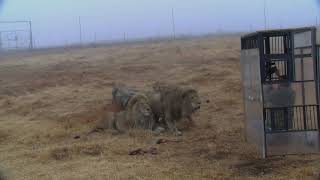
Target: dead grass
<point>49,98</point>
<point>68,152</point>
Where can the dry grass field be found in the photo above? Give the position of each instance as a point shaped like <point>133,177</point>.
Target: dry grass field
<point>49,97</point>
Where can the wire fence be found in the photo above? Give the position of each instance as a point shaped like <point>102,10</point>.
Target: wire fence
<point>16,35</point>
<point>19,35</point>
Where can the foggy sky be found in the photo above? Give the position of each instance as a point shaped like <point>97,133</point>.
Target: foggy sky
<point>56,22</point>
<point>1,4</point>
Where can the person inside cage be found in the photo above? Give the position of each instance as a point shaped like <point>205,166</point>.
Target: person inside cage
<point>271,69</point>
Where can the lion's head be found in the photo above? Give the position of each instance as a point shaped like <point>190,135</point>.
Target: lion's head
<point>144,108</point>
<point>191,101</point>
<point>141,111</point>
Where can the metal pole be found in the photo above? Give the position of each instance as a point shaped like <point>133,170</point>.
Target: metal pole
<point>80,30</point>
<point>0,41</point>
<point>31,35</point>
<point>16,39</point>
<point>303,91</point>
<point>262,58</point>
<point>265,14</point>
<point>173,25</point>
<point>315,57</point>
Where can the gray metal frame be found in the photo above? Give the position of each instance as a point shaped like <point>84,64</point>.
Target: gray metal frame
<point>277,49</point>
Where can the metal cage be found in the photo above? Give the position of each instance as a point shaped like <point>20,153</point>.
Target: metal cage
<point>280,76</point>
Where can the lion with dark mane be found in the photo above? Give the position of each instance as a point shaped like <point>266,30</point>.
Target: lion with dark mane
<point>136,111</point>
<point>172,104</point>
<point>137,114</point>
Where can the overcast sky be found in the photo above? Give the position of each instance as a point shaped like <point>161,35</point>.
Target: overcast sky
<point>56,22</point>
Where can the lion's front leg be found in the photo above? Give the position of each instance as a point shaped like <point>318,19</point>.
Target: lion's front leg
<point>171,123</point>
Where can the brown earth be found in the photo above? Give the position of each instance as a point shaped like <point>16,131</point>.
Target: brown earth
<point>49,100</point>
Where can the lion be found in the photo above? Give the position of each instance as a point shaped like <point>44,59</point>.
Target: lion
<point>135,111</point>
<point>129,109</point>
<point>136,115</point>
<point>171,104</point>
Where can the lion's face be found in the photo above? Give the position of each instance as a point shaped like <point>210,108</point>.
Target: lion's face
<point>192,100</point>
<point>145,109</point>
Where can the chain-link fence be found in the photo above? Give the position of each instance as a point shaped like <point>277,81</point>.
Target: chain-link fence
<point>15,35</point>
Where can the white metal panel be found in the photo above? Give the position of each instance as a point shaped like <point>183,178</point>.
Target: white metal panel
<point>302,39</point>
<point>251,79</point>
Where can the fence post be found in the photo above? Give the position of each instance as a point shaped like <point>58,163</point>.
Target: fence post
<point>0,40</point>
<point>80,31</point>
<point>31,35</point>
<point>173,25</point>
